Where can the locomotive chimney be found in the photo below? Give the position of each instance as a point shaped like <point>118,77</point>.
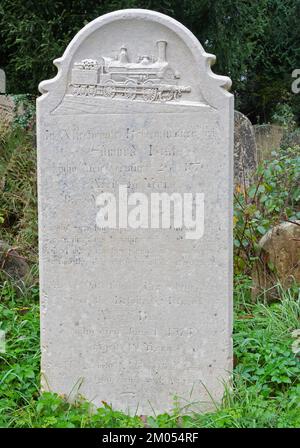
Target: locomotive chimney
<point>162,50</point>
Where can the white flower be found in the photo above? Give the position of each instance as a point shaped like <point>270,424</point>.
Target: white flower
<point>296,333</point>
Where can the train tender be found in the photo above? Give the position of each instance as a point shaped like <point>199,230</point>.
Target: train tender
<point>149,79</point>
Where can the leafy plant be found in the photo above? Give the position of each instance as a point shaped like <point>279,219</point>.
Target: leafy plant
<point>273,198</point>
<point>284,116</point>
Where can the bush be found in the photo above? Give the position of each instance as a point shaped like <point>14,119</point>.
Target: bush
<point>18,196</point>
<point>273,198</point>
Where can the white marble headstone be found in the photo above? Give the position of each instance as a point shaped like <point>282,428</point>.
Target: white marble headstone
<point>2,81</point>
<point>136,310</point>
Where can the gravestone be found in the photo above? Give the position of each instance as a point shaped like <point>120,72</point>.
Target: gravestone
<point>134,134</point>
<point>245,161</point>
<point>268,139</point>
<point>2,81</point>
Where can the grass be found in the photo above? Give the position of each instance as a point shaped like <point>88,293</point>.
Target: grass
<point>266,380</point>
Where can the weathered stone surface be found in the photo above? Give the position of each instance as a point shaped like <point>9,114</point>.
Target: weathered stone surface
<point>11,106</point>
<point>135,315</point>
<point>2,81</point>
<point>280,249</point>
<point>268,138</point>
<point>12,262</point>
<point>245,152</point>
<point>7,108</point>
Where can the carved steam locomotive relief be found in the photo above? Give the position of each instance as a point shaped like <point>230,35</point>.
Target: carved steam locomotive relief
<point>150,78</point>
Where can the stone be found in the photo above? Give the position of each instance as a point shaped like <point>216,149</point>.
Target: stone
<point>12,263</point>
<point>245,152</point>
<point>134,133</point>
<point>279,260</point>
<point>2,81</point>
<point>268,139</point>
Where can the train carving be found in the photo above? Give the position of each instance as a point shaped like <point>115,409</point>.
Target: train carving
<point>150,79</point>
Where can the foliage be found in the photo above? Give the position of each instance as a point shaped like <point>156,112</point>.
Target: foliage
<point>255,42</point>
<point>291,139</point>
<point>273,198</point>
<point>18,202</point>
<point>283,116</point>
<point>24,111</point>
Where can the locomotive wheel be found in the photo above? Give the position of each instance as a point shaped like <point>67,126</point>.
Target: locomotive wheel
<point>109,89</point>
<point>75,90</point>
<point>91,90</point>
<point>166,95</point>
<point>130,90</point>
<point>149,92</point>
<point>82,91</point>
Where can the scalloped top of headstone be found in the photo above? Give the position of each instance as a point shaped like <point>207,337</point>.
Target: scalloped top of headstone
<point>131,61</point>
<point>2,81</point>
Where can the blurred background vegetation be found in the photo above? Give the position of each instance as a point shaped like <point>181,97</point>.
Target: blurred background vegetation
<point>257,43</point>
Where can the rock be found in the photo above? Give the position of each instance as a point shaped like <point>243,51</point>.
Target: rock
<point>280,249</point>
<point>245,162</point>
<point>268,138</point>
<point>13,264</point>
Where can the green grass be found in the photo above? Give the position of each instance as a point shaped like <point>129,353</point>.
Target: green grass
<point>266,381</point>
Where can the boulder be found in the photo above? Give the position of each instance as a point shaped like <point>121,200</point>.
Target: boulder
<point>13,264</point>
<point>279,260</point>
